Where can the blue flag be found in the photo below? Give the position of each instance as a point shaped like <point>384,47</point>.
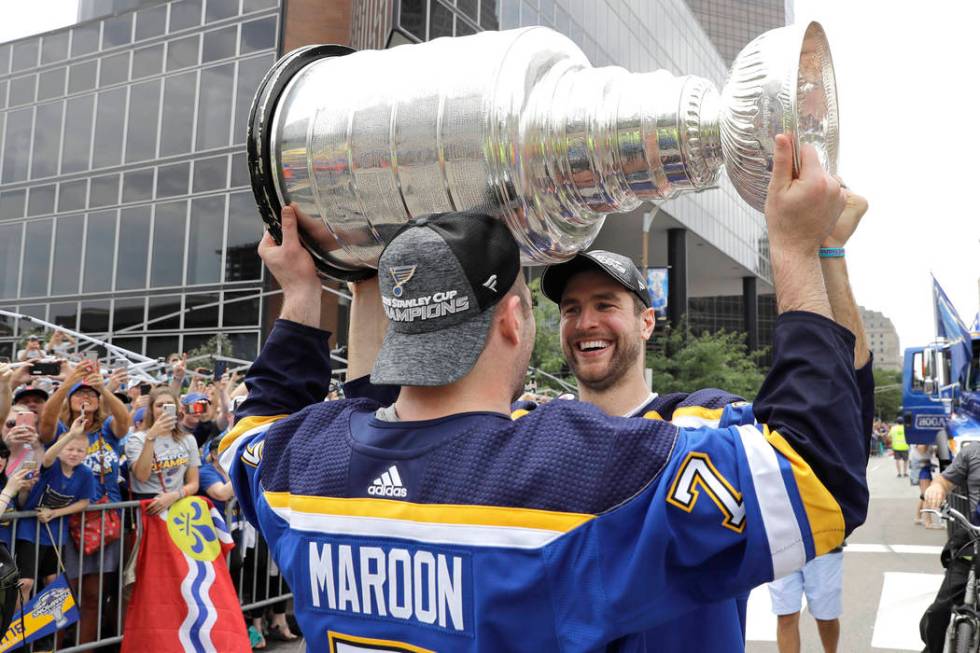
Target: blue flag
<point>51,610</point>
<point>951,327</point>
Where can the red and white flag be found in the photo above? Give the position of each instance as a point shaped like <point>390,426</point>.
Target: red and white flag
<point>183,599</point>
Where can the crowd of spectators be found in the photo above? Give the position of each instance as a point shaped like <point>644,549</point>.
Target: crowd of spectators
<point>77,431</point>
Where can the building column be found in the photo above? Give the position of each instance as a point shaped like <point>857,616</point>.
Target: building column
<point>750,312</point>
<point>677,279</point>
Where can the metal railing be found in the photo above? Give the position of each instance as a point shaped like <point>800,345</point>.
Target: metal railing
<point>254,574</point>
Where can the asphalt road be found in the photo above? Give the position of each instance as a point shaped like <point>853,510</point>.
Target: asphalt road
<point>891,574</point>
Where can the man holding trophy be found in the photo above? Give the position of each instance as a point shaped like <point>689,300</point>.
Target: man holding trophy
<point>566,525</point>
<point>438,523</point>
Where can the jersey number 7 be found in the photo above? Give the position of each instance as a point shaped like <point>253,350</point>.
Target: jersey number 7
<point>698,470</point>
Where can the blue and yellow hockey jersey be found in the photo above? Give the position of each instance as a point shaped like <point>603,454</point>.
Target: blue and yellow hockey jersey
<point>564,530</point>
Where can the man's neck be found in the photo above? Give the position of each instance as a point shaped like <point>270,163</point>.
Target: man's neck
<point>420,403</point>
<point>619,398</point>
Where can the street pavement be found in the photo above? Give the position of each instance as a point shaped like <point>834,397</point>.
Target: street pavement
<point>891,574</point>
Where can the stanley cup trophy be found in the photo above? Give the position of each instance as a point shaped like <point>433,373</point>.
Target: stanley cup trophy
<point>517,124</point>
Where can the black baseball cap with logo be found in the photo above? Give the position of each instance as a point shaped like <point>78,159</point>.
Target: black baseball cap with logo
<point>440,277</point>
<point>619,267</point>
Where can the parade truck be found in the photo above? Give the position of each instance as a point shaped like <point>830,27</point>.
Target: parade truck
<point>934,399</point>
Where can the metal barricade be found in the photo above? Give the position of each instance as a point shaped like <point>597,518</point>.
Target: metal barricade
<point>254,573</point>
<point>101,581</point>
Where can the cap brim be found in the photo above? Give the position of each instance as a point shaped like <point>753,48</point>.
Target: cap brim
<point>431,359</point>
<point>555,277</point>
<point>28,393</point>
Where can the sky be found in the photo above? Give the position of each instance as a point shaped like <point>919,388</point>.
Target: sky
<point>906,83</point>
<point>19,19</point>
<point>908,104</point>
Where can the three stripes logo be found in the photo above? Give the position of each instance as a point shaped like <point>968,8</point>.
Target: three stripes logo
<point>388,484</point>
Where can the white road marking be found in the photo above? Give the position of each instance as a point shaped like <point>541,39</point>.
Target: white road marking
<point>917,548</point>
<point>904,597</point>
<point>867,548</point>
<point>925,549</point>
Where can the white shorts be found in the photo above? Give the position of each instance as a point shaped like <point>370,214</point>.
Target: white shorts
<point>820,579</point>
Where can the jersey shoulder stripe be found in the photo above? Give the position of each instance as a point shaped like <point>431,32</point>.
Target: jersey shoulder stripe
<point>822,510</point>
<point>786,541</point>
<point>705,408</point>
<point>243,428</point>
<point>467,525</point>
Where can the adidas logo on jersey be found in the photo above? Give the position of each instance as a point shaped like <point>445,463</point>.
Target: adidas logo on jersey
<point>388,484</point>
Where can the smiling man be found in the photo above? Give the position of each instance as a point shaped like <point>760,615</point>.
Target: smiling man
<point>606,320</point>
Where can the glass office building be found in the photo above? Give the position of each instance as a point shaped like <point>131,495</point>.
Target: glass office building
<point>730,24</point>
<point>124,194</point>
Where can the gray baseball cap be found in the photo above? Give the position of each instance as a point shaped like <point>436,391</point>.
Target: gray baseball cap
<point>440,277</point>
<point>620,268</point>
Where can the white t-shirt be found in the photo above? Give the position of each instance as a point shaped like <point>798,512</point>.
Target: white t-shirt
<point>171,458</point>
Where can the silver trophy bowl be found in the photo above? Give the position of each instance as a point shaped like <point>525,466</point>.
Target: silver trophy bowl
<point>519,125</point>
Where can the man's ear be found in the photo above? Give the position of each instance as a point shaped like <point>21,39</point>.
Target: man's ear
<point>648,320</point>
<point>508,318</point>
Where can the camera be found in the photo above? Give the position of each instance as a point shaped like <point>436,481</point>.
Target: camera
<point>45,368</point>
<point>198,408</point>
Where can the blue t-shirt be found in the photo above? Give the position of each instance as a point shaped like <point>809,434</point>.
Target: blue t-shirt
<point>104,451</point>
<point>55,490</point>
<point>208,477</point>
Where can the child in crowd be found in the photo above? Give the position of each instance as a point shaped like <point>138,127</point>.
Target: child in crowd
<point>64,488</point>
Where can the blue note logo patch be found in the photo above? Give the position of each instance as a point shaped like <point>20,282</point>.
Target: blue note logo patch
<point>402,274</point>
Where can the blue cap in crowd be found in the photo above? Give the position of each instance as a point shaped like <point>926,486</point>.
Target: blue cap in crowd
<point>79,386</point>
<point>193,397</point>
<point>138,415</point>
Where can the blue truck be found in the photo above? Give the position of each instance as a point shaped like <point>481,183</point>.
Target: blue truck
<point>933,401</point>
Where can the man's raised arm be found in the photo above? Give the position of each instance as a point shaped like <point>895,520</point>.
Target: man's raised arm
<point>293,369</point>
<point>845,308</point>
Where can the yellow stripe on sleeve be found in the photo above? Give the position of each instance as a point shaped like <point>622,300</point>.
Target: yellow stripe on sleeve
<point>471,515</point>
<point>243,426</point>
<point>698,411</point>
<point>822,510</point>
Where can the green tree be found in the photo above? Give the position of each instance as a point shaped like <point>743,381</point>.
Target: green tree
<point>690,361</point>
<point>888,394</point>
<point>547,355</point>
<point>218,344</point>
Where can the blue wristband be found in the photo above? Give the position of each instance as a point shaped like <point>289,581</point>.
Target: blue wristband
<point>831,252</point>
